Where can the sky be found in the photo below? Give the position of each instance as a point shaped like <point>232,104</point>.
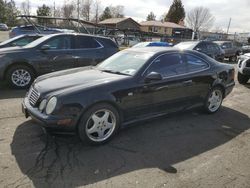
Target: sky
<point>222,10</point>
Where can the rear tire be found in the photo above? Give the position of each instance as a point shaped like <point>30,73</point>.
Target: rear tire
<point>20,76</point>
<point>213,100</point>
<point>99,124</point>
<point>243,79</point>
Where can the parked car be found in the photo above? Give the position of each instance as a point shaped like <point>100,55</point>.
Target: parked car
<point>244,68</point>
<point>30,29</point>
<point>151,44</point>
<point>245,49</point>
<point>20,65</point>
<point>3,27</point>
<point>231,50</point>
<point>207,47</point>
<point>20,40</point>
<point>134,84</point>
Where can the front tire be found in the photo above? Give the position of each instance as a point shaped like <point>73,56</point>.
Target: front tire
<point>20,76</point>
<point>213,100</point>
<point>243,79</point>
<point>99,124</point>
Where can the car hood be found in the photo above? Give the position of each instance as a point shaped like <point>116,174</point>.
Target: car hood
<point>74,79</point>
<point>12,50</point>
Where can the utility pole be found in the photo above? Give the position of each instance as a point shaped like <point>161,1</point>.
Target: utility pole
<point>78,14</point>
<point>229,25</point>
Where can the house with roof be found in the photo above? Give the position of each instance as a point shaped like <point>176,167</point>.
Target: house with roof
<point>121,23</point>
<point>166,29</point>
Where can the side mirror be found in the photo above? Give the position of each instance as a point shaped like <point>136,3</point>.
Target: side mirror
<point>45,47</point>
<point>153,76</point>
<point>198,49</point>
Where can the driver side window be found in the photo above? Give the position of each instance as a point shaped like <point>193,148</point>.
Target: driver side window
<point>62,42</point>
<point>168,65</point>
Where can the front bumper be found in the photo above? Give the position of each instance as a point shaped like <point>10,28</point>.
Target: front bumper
<point>47,121</point>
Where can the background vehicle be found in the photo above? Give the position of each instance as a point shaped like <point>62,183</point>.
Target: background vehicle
<point>30,29</point>
<point>20,40</point>
<point>243,68</point>
<point>151,44</point>
<point>19,66</point>
<point>209,48</point>
<point>3,27</point>
<point>132,85</point>
<point>231,50</point>
<point>245,49</point>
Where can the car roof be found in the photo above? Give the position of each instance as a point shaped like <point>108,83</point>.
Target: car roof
<point>153,50</point>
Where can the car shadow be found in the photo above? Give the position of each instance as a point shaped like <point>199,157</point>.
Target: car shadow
<point>63,161</point>
<point>247,85</point>
<point>7,93</point>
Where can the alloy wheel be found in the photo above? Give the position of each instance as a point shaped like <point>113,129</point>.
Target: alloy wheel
<point>215,100</point>
<point>21,77</point>
<point>100,125</point>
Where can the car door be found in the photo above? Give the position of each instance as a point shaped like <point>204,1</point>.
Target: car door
<point>88,51</point>
<point>57,54</point>
<point>170,94</point>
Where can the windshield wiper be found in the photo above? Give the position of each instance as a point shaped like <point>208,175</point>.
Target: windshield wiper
<point>115,72</point>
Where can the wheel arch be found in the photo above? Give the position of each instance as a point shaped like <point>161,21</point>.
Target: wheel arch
<point>221,86</point>
<point>112,103</point>
<point>23,63</point>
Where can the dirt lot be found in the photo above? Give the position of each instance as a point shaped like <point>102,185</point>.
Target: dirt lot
<point>189,149</point>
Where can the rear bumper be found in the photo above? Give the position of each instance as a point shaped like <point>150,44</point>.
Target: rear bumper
<point>229,88</point>
<point>47,121</point>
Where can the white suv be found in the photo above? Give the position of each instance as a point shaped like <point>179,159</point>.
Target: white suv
<point>244,68</point>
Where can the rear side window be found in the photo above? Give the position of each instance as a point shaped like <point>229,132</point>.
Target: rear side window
<point>168,65</point>
<point>85,42</point>
<point>107,43</point>
<point>201,46</point>
<point>194,63</point>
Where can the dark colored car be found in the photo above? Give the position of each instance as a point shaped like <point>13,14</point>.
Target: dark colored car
<point>231,50</point>
<point>20,40</point>
<point>30,29</point>
<point>20,65</point>
<point>132,85</point>
<point>207,47</point>
<point>3,27</point>
<point>151,44</point>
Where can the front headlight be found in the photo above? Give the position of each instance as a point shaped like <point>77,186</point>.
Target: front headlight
<point>42,105</point>
<point>51,105</point>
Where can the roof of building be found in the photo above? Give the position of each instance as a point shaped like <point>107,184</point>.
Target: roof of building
<point>116,21</point>
<point>161,24</point>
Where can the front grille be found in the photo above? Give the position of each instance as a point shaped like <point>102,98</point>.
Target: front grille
<point>33,96</point>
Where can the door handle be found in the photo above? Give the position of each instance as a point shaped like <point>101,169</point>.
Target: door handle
<point>188,82</point>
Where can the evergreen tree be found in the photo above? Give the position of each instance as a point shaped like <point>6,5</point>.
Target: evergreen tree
<point>106,14</point>
<point>176,12</point>
<point>43,11</point>
<point>8,12</point>
<point>151,16</point>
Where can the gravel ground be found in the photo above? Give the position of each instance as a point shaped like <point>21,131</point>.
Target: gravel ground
<point>190,149</point>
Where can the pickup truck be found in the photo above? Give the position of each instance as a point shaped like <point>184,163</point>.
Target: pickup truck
<point>231,50</point>
<point>244,68</point>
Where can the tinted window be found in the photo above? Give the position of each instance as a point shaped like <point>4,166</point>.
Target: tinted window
<point>168,65</point>
<point>24,41</point>
<point>195,63</point>
<point>107,43</point>
<point>201,46</point>
<point>61,42</point>
<point>87,42</point>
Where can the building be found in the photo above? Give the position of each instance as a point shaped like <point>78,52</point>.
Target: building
<point>167,29</point>
<point>212,36</point>
<point>121,23</point>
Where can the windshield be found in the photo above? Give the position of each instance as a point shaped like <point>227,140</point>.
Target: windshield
<point>12,39</point>
<point>38,41</point>
<point>125,62</point>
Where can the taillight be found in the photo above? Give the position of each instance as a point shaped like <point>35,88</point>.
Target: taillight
<point>232,74</point>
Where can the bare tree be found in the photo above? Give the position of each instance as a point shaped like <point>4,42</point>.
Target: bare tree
<point>117,11</point>
<point>25,7</point>
<point>86,9</point>
<point>199,19</point>
<point>68,10</point>
<point>97,10</point>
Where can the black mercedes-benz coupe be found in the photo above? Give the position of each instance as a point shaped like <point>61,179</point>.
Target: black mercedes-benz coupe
<point>132,85</point>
